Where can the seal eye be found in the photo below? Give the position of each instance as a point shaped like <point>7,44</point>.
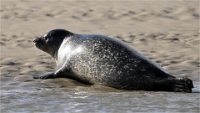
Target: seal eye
<point>46,38</point>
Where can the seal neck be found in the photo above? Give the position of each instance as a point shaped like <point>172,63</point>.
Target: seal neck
<point>54,53</point>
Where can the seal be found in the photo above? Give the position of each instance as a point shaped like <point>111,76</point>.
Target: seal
<point>99,59</point>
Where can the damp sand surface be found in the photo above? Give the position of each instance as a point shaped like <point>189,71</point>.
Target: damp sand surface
<point>167,32</point>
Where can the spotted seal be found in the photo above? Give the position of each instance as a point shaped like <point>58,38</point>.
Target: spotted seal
<point>99,59</point>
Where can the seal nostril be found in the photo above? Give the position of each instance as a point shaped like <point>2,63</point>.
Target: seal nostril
<point>37,40</point>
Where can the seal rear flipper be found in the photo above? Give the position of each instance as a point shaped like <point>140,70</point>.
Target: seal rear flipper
<point>47,76</point>
<point>182,85</point>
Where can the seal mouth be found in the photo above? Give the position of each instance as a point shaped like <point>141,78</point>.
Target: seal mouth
<point>39,46</point>
<point>39,43</point>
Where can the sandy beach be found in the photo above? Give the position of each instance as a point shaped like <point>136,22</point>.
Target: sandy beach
<point>167,32</point>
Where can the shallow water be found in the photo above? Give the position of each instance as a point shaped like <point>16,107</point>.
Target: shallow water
<point>95,99</point>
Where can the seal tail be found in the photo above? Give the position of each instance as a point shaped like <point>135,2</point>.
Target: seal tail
<point>182,85</point>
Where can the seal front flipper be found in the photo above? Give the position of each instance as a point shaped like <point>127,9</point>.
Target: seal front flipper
<point>50,76</point>
<point>47,76</point>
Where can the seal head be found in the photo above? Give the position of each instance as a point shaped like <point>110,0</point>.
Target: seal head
<point>51,41</point>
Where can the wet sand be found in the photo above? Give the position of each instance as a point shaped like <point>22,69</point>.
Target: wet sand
<point>166,32</point>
